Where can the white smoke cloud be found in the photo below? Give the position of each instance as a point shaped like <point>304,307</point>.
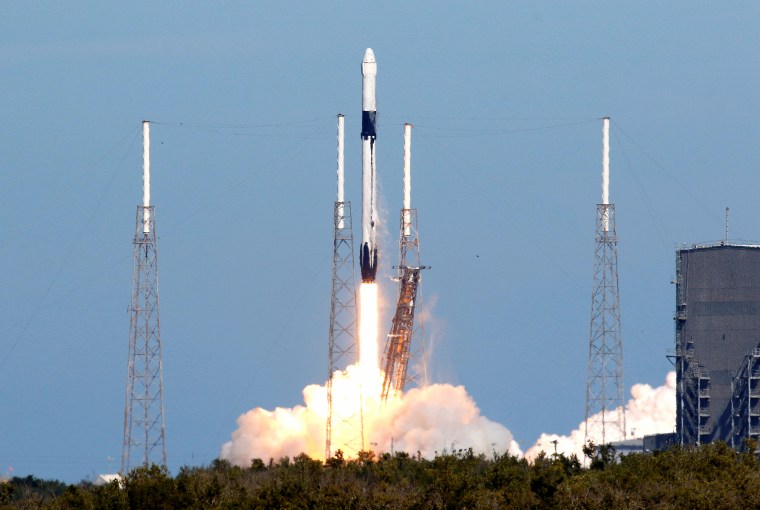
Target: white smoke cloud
<point>427,420</point>
<point>650,411</point>
<point>436,418</point>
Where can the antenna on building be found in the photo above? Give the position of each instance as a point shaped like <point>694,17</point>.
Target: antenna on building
<point>725,239</point>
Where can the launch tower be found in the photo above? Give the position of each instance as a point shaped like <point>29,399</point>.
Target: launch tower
<point>399,348</point>
<point>605,412</point>
<point>144,432</point>
<point>344,408</point>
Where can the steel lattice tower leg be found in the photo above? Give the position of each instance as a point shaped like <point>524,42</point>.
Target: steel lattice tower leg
<point>144,432</point>
<point>344,344</point>
<point>605,410</point>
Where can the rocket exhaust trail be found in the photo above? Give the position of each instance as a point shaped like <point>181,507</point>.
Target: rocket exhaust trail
<point>368,251</point>
<point>368,347</point>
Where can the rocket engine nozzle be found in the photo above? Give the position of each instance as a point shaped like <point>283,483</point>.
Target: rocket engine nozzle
<point>368,263</point>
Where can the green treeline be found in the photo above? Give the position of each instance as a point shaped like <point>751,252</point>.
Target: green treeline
<point>710,476</point>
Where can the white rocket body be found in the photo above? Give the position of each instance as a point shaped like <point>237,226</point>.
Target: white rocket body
<point>368,251</point>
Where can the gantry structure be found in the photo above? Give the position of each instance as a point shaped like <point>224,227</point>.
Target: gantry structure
<point>605,410</point>
<point>401,351</point>
<point>144,430</point>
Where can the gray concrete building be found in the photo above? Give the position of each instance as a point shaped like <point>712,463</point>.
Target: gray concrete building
<point>717,337</point>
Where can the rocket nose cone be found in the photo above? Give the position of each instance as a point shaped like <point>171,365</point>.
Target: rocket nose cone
<point>369,66</point>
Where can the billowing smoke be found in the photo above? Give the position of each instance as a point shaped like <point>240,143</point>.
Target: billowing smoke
<point>650,411</point>
<point>436,418</point>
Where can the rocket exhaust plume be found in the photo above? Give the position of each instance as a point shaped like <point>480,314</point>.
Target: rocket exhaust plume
<point>430,420</point>
<point>368,346</point>
<point>435,418</point>
<point>368,251</point>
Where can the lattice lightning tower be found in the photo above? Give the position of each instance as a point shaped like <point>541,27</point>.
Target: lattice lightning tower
<point>344,409</point>
<point>605,411</point>
<point>144,432</point>
<point>400,350</point>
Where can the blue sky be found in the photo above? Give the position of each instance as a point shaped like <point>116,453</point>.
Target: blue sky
<point>505,98</point>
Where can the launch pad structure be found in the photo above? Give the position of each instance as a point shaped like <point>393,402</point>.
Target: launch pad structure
<point>605,411</point>
<point>144,431</point>
<point>400,350</point>
<point>343,339</point>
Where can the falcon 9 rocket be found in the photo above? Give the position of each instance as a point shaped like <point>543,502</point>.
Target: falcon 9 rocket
<point>368,251</point>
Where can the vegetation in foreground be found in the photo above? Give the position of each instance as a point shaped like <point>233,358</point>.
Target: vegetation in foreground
<point>710,476</point>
